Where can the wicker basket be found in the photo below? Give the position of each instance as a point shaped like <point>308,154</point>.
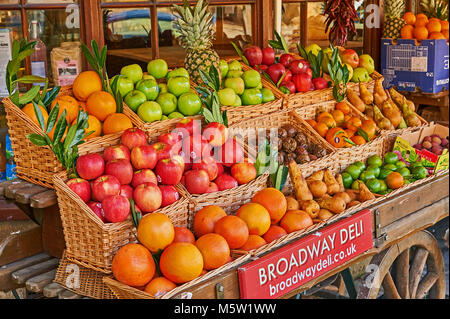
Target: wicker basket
<point>94,243</point>
<point>37,164</point>
<point>81,280</point>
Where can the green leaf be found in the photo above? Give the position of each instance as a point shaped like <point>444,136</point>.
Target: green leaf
<point>136,215</point>
<point>239,52</point>
<point>281,177</point>
<point>39,116</point>
<point>350,141</point>
<point>30,79</point>
<point>281,79</point>
<point>30,95</point>
<point>37,139</point>
<point>363,134</point>
<point>60,128</point>
<point>69,138</point>
<point>282,41</point>
<point>275,44</point>
<point>44,90</point>
<point>214,75</point>
<point>52,117</point>
<point>51,95</point>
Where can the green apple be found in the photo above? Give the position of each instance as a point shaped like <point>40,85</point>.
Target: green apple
<point>178,85</point>
<point>147,76</point>
<point>163,88</point>
<point>366,61</point>
<point>150,111</point>
<point>124,83</point>
<point>133,72</point>
<point>267,95</point>
<point>350,70</point>
<point>237,84</point>
<point>234,65</point>
<point>234,74</point>
<point>227,96</point>
<point>134,99</point>
<point>251,97</point>
<point>238,101</point>
<point>158,68</point>
<point>360,75</point>
<point>177,72</point>
<point>189,104</point>
<point>252,79</point>
<point>168,102</point>
<point>314,48</point>
<point>223,67</point>
<point>175,115</point>
<point>149,88</point>
<point>164,117</point>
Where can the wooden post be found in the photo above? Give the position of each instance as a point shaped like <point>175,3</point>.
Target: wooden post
<point>304,23</point>
<point>91,24</point>
<point>263,24</point>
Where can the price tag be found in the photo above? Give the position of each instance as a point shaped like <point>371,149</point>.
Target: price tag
<point>5,56</point>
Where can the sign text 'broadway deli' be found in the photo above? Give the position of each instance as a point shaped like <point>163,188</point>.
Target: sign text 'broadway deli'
<point>285,269</point>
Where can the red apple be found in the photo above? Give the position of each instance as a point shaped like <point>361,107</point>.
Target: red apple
<point>116,208</point>
<point>120,168</point>
<point>309,72</point>
<point>187,126</point>
<point>320,83</point>
<point>104,186</point>
<point>268,56</point>
<point>286,59</point>
<point>302,82</point>
<point>126,190</point>
<point>261,68</point>
<point>298,66</point>
<point>289,85</point>
<point>243,173</point>
<point>116,152</point>
<point>287,76</point>
<point>196,146</point>
<point>253,54</point>
<point>90,166</point>
<point>230,153</point>
<point>196,181</point>
<point>133,137</point>
<point>97,209</point>
<point>220,169</point>
<point>183,180</point>
<point>142,176</point>
<point>144,156</point>
<point>170,170</point>
<point>148,197</point>
<point>209,165</point>
<point>226,181</point>
<point>275,71</point>
<point>350,57</point>
<point>169,195</point>
<point>81,187</point>
<point>170,138</point>
<point>162,150</point>
<point>212,188</point>
<point>216,134</point>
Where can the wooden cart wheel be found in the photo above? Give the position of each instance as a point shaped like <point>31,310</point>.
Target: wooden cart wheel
<point>410,269</point>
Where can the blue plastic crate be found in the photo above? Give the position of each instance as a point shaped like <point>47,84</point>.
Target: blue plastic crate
<point>412,67</point>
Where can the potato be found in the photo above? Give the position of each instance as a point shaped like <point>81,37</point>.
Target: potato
<point>310,207</point>
<point>344,196</point>
<point>325,214</point>
<point>292,203</point>
<point>317,188</point>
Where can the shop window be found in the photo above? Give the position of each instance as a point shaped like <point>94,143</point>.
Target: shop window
<point>11,20</point>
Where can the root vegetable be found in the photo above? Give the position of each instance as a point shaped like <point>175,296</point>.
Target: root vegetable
<point>301,189</point>
<point>334,205</point>
<point>311,207</point>
<point>317,188</point>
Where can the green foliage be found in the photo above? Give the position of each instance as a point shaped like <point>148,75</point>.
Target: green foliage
<point>279,43</point>
<point>339,75</point>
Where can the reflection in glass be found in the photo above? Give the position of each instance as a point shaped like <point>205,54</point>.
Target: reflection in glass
<point>51,1</point>
<point>11,20</point>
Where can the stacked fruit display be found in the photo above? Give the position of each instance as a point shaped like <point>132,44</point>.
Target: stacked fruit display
<point>158,94</point>
<point>241,87</point>
<point>433,143</point>
<point>128,171</point>
<point>420,27</point>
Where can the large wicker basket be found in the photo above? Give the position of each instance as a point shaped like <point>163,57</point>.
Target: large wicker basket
<point>94,243</point>
<point>38,164</point>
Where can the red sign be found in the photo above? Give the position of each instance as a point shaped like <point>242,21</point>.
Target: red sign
<point>293,265</point>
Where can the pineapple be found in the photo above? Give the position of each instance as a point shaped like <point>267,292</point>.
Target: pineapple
<point>194,31</point>
<point>393,12</point>
<point>435,8</point>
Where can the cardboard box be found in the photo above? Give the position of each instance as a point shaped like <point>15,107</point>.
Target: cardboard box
<point>411,67</point>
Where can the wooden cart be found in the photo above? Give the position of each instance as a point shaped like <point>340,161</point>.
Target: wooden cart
<point>405,258</point>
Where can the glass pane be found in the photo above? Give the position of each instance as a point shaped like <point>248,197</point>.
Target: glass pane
<point>56,29</point>
<point>51,1</point>
<point>9,1</point>
<point>316,24</point>
<point>11,19</point>
<point>290,24</point>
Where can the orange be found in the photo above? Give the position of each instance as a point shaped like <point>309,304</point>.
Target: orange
<point>214,249</point>
<point>155,231</point>
<point>85,84</point>
<point>328,121</point>
<point>434,26</point>
<point>421,33</point>
<point>445,34</point>
<point>295,220</point>
<point>421,20</point>
<point>344,107</point>
<point>274,233</point>
<point>159,286</point>
<point>181,262</point>
<point>68,103</point>
<point>410,18</point>
<point>183,235</point>
<point>394,180</point>
<point>233,229</point>
<point>133,265</point>
<point>116,123</point>
<point>256,217</point>
<point>444,25</point>
<point>29,110</point>
<point>101,104</point>
<point>274,201</point>
<point>93,125</point>
<point>407,32</point>
<point>82,106</point>
<point>354,121</point>
<point>336,137</point>
<point>253,242</point>
<point>206,218</point>
<point>323,115</point>
<point>350,132</point>
<point>436,35</point>
<point>322,129</point>
<point>358,140</point>
<point>338,116</point>
<point>370,128</point>
<point>312,123</point>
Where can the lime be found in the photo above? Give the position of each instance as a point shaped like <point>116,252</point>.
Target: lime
<point>373,185</point>
<point>375,169</point>
<point>178,85</point>
<point>237,84</point>
<point>150,111</point>
<point>251,97</point>
<point>391,167</point>
<point>400,164</point>
<point>175,115</point>
<point>404,171</point>
<point>419,172</point>
<point>168,102</point>
<point>366,175</point>
<point>355,184</point>
<point>360,165</point>
<point>267,95</point>
<point>390,158</point>
<point>414,164</point>
<point>252,79</point>
<point>375,160</point>
<point>189,104</point>
<point>354,171</point>
<point>347,180</point>
<point>383,186</point>
<point>383,192</point>
<point>227,96</point>
<point>158,68</point>
<point>384,172</point>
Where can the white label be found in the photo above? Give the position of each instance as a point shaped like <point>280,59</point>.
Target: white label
<point>419,64</point>
<point>5,56</point>
<point>38,69</point>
